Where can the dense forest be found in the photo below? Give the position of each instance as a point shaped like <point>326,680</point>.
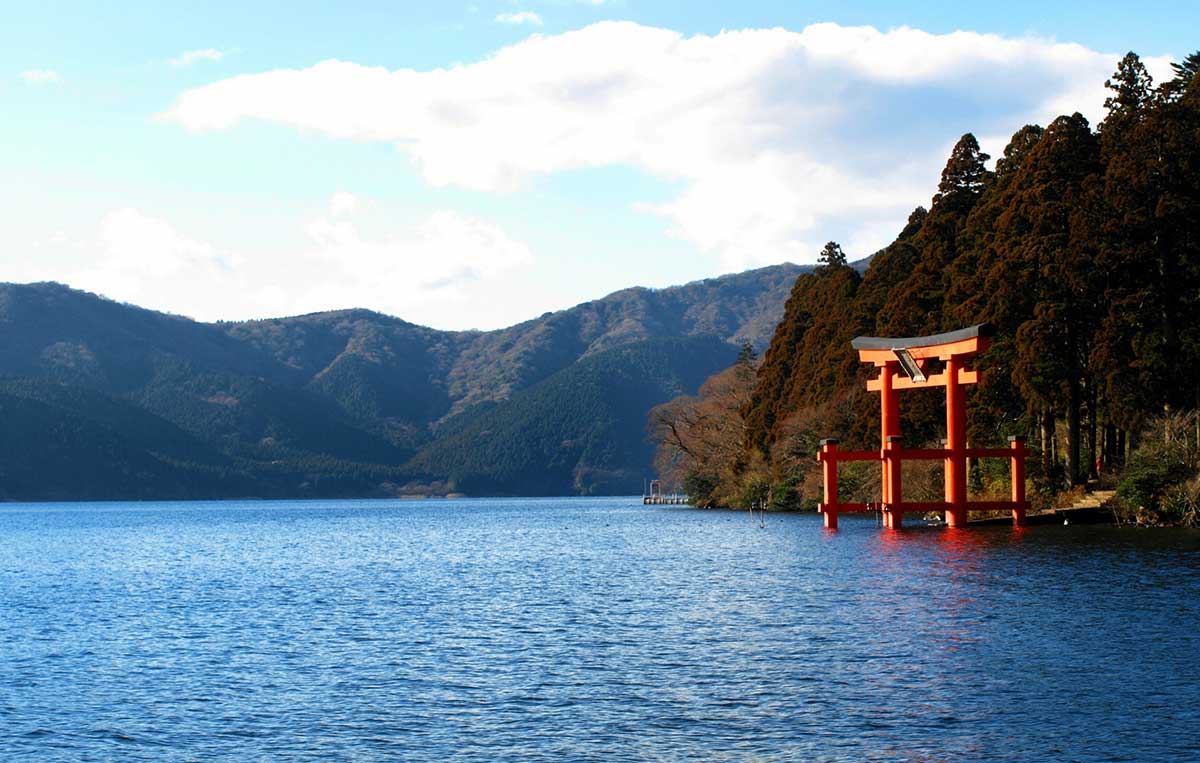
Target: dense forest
<point>1081,247</point>
<point>103,400</point>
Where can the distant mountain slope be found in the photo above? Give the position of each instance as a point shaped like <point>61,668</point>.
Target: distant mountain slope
<point>384,367</point>
<point>67,442</point>
<point>339,402</point>
<point>582,430</point>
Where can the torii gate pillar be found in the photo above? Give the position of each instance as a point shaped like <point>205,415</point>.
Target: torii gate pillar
<point>956,443</point>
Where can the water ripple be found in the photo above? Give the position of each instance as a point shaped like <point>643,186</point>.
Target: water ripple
<point>584,629</point>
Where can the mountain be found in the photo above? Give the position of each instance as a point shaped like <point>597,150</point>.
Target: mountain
<point>108,400</point>
<point>583,427</point>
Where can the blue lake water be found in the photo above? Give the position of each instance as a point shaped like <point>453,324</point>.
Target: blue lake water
<point>585,629</point>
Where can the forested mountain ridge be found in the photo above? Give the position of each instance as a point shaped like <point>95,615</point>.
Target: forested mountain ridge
<point>340,402</point>
<point>586,421</point>
<point>1081,247</point>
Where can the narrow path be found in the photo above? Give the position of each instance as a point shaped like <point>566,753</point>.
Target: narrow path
<point>1089,509</point>
<point>1092,507</point>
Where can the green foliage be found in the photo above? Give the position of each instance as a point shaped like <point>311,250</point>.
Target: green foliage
<point>754,491</point>
<point>785,494</point>
<point>1161,484</point>
<point>1185,70</point>
<point>832,256</point>
<point>580,431</point>
<point>975,483</point>
<point>701,488</point>
<point>964,175</point>
<point>809,357</point>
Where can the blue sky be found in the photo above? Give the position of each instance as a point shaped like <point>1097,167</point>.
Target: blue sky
<point>472,165</point>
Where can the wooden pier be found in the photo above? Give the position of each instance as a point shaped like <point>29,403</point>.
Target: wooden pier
<point>664,500</point>
<point>656,497</point>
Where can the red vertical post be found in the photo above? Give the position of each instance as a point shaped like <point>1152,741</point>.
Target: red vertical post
<point>892,490</point>
<point>1017,444</point>
<point>889,417</point>
<point>956,443</point>
<point>829,467</point>
<point>889,403</point>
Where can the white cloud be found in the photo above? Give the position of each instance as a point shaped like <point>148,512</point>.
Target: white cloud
<point>519,17</point>
<point>143,259</point>
<point>343,203</point>
<point>137,257</point>
<point>444,252</point>
<point>41,77</point>
<point>194,56</point>
<point>425,271</point>
<point>135,242</point>
<point>779,140</point>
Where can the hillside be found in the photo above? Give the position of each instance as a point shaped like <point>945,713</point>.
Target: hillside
<point>348,402</point>
<point>581,431</point>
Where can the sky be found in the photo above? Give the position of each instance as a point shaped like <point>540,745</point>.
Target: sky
<point>472,165</point>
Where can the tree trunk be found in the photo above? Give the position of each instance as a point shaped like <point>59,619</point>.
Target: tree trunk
<point>1073,471</point>
<point>1093,454</point>
<point>1110,447</point>
<point>1047,427</point>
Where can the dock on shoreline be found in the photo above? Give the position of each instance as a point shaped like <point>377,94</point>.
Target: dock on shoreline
<point>664,500</point>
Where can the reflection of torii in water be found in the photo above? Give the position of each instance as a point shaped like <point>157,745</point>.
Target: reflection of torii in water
<point>902,365</point>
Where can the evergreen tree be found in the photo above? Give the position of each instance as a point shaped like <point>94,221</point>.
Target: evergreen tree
<point>1185,71</point>
<point>914,307</point>
<point>809,358</point>
<point>746,357</point>
<point>1131,88</point>
<point>1056,245</point>
<point>964,175</point>
<point>968,298</point>
<point>1149,244</point>
<point>832,256</point>
<point>984,287</point>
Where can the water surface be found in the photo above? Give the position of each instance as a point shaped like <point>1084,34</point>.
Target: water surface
<point>585,629</point>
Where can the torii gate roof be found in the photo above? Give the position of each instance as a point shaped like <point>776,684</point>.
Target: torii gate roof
<point>985,330</point>
<point>882,350</point>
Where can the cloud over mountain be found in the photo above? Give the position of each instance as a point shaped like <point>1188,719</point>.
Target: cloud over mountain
<point>778,139</point>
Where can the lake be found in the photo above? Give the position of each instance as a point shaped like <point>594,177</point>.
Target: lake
<point>585,629</point>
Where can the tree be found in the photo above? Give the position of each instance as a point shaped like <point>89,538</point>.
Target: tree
<point>1131,91</point>
<point>1150,244</point>
<point>1185,71</point>
<point>809,356</point>
<point>969,295</point>
<point>964,175</point>
<point>984,287</point>
<point>914,306</point>
<point>700,437</point>
<point>1050,238</point>
<point>832,256</point>
<point>746,357</point>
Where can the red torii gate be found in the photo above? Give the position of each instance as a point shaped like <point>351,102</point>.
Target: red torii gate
<point>902,363</point>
